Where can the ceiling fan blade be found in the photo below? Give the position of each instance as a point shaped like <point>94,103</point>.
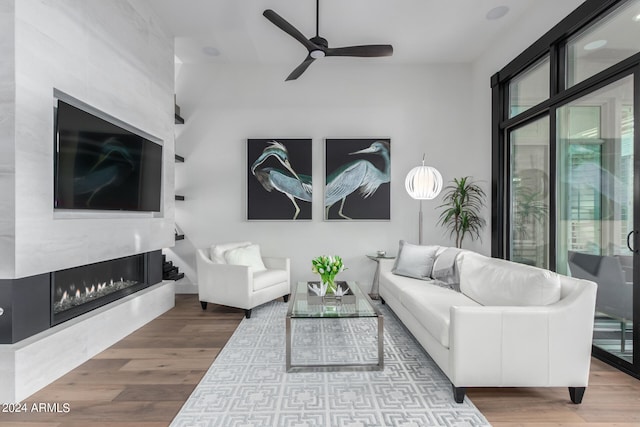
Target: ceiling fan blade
<point>372,50</point>
<point>300,68</point>
<point>285,26</point>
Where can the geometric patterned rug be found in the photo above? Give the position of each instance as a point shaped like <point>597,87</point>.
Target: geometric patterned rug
<point>248,386</point>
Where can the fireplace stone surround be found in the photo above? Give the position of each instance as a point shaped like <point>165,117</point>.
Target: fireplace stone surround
<point>40,358</point>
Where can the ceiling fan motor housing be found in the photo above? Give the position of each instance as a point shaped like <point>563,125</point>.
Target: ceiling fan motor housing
<point>319,41</point>
<point>322,46</point>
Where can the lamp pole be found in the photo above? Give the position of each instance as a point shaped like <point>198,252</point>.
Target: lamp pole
<point>420,224</point>
<point>423,183</point>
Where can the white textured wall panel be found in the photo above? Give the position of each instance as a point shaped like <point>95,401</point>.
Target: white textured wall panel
<point>7,132</point>
<point>115,56</point>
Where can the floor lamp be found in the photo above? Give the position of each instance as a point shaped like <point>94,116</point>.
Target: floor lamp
<point>423,183</point>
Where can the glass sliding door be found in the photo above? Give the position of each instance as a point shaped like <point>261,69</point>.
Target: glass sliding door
<point>595,206</point>
<point>565,180</point>
<point>529,210</point>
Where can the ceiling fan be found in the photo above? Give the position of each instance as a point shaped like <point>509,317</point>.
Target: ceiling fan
<point>318,47</point>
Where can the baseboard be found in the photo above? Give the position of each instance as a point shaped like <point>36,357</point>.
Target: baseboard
<point>186,288</point>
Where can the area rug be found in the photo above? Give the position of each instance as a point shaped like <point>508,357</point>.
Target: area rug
<point>247,385</point>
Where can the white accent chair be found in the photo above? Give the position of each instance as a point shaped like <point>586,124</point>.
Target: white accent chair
<point>236,275</point>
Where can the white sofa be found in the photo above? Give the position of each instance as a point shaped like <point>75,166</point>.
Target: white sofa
<point>509,324</point>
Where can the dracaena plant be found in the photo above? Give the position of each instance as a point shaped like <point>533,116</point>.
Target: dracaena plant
<point>462,202</point>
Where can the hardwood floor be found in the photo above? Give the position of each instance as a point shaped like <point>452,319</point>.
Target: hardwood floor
<point>141,381</point>
<point>144,380</point>
<point>612,399</point>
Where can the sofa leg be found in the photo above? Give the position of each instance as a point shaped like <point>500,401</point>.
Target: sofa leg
<point>382,301</point>
<point>286,298</point>
<point>247,314</point>
<point>458,393</point>
<point>203,304</point>
<point>576,394</point>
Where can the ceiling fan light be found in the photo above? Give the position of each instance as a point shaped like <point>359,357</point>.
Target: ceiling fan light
<point>315,54</point>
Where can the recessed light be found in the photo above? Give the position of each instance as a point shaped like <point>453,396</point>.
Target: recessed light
<point>596,44</point>
<point>211,51</point>
<point>636,18</point>
<point>497,12</point>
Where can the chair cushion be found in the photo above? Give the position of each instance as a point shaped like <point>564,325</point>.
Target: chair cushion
<point>492,281</point>
<point>247,255</point>
<point>217,251</point>
<point>267,278</point>
<point>414,260</point>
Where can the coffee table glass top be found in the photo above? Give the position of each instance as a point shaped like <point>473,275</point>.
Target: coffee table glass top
<point>306,304</point>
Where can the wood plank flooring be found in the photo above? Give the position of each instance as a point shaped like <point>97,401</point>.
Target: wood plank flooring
<point>144,380</point>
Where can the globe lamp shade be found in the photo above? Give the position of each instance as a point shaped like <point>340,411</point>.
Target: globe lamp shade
<point>423,182</point>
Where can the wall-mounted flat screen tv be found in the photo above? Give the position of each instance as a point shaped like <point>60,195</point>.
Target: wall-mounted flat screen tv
<point>101,166</point>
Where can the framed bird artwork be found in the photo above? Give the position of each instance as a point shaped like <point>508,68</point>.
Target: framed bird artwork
<point>279,183</point>
<point>357,179</point>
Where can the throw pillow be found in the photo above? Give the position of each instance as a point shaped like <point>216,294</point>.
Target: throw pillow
<point>445,285</point>
<point>414,261</point>
<point>217,251</point>
<point>445,269</point>
<point>248,256</point>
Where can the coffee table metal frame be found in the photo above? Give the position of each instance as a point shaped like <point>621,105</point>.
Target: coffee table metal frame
<point>300,292</point>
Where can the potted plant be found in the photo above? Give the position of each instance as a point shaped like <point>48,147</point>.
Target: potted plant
<point>328,268</point>
<point>463,199</point>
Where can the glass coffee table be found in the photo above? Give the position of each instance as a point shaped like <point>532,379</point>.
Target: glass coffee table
<point>305,305</point>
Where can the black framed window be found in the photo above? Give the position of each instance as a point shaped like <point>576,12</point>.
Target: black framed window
<point>565,180</point>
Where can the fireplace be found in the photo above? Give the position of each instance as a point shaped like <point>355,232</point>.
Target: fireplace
<point>30,305</point>
<point>77,290</point>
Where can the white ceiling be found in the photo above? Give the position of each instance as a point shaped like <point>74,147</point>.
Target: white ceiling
<point>421,31</point>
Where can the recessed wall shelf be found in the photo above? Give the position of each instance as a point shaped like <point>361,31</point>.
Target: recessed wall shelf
<point>178,118</point>
<point>170,271</point>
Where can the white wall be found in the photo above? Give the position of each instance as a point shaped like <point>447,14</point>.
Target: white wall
<point>423,109</point>
<point>115,56</point>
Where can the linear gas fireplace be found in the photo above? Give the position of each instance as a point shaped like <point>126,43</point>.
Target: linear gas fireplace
<point>29,305</point>
<point>77,290</point>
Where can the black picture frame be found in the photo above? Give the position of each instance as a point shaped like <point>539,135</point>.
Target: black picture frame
<point>357,179</point>
<point>273,189</point>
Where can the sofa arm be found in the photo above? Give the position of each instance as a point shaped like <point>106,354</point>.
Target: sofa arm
<point>524,346</point>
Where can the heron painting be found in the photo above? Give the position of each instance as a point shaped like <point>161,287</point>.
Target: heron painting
<point>358,176</point>
<point>279,183</point>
